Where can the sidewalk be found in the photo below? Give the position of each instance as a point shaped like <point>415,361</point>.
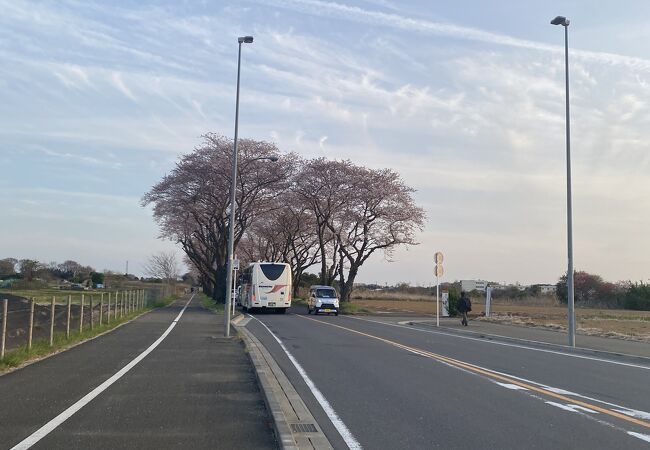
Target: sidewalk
<point>489,330</point>
<point>195,390</point>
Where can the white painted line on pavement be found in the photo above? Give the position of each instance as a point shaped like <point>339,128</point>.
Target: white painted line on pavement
<point>65,415</point>
<point>514,387</point>
<point>340,426</point>
<point>643,437</point>
<point>634,413</point>
<point>571,408</point>
<point>506,344</point>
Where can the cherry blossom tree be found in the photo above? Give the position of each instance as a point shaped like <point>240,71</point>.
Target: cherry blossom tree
<point>191,204</point>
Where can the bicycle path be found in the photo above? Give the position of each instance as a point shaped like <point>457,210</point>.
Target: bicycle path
<point>195,389</point>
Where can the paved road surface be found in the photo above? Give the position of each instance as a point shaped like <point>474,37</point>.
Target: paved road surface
<point>194,390</point>
<point>396,387</point>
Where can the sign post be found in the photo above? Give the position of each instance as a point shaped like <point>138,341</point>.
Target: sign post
<point>488,301</point>
<point>445,304</point>
<point>235,268</point>
<point>438,271</point>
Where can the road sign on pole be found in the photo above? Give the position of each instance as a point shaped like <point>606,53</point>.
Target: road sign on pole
<point>438,258</point>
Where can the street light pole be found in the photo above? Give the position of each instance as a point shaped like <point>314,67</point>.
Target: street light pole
<point>233,187</point>
<point>559,20</point>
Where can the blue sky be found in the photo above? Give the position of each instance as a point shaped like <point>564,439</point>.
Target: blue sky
<point>465,99</point>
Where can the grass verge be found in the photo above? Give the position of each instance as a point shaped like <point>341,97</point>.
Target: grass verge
<point>352,308</point>
<point>41,347</point>
<point>210,303</point>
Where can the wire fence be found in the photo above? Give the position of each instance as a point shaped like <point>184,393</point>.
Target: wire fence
<point>24,321</point>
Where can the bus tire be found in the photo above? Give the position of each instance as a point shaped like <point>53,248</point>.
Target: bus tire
<point>282,310</point>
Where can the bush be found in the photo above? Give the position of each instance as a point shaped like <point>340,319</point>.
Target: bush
<point>589,290</point>
<point>454,299</point>
<point>637,297</point>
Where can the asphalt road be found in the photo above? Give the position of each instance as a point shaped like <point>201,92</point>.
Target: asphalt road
<point>398,387</point>
<point>195,390</point>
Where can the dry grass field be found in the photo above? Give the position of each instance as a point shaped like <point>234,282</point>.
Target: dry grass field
<point>538,312</point>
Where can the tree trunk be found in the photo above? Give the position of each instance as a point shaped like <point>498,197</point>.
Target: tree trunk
<point>347,285</point>
<point>220,286</point>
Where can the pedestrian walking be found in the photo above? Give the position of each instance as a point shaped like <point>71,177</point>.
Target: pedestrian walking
<point>464,306</point>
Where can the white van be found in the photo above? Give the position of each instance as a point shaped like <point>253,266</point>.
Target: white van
<point>323,299</point>
<point>266,285</point>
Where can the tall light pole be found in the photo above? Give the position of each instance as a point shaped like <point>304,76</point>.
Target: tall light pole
<point>560,20</point>
<point>233,187</point>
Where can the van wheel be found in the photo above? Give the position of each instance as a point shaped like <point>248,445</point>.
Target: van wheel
<point>336,313</point>
<point>308,310</point>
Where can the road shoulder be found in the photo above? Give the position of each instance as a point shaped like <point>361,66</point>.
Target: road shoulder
<point>294,424</point>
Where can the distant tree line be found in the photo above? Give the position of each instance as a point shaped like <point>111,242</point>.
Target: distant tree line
<point>29,273</point>
<point>307,212</point>
<point>592,290</point>
<point>29,270</point>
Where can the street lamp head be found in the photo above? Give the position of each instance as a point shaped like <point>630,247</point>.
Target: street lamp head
<point>245,39</point>
<point>273,158</point>
<point>560,20</point>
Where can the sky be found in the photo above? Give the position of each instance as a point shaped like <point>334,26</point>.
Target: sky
<point>464,99</point>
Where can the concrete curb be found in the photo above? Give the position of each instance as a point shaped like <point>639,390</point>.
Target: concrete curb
<point>295,427</point>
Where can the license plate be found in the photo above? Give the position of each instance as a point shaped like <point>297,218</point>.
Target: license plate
<point>271,303</point>
<point>263,297</point>
<point>327,310</point>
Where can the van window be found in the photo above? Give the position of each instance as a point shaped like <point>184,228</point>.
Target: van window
<point>272,271</point>
<point>325,293</point>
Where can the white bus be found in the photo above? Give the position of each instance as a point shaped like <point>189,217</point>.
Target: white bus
<point>266,285</point>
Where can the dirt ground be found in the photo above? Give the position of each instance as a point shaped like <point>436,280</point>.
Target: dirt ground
<point>623,324</point>
<point>18,319</point>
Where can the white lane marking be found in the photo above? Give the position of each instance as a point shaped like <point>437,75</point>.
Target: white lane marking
<point>65,415</point>
<point>571,407</point>
<point>506,344</point>
<point>340,426</point>
<point>582,408</point>
<point>622,409</point>
<point>644,437</point>
<point>634,413</point>
<point>514,387</point>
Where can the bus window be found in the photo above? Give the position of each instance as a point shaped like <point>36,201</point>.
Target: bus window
<point>272,271</point>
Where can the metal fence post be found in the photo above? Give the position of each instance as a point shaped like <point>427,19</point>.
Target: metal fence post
<point>91,311</point>
<point>81,315</point>
<point>101,309</point>
<point>4,328</point>
<point>31,324</point>
<point>53,311</point>
<point>108,319</point>
<point>67,320</point>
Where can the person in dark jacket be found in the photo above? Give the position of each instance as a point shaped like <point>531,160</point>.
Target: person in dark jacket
<point>464,306</point>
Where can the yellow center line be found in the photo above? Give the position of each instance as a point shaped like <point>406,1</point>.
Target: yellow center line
<point>488,373</point>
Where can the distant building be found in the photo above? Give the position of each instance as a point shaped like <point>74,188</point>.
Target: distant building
<point>547,288</point>
<point>473,285</point>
